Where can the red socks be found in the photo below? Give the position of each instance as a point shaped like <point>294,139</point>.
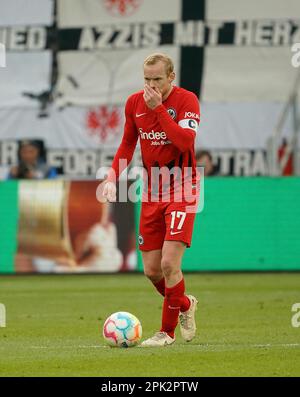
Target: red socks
<point>175,301</point>
<point>160,286</point>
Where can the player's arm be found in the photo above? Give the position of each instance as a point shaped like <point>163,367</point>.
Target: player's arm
<point>123,156</point>
<point>182,135</point>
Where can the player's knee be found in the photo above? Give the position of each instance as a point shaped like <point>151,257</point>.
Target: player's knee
<point>167,266</point>
<point>153,275</point>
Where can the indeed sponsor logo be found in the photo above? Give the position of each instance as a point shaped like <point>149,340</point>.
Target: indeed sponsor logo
<point>191,115</point>
<point>152,135</point>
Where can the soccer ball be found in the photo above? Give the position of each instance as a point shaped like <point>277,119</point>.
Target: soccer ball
<point>122,329</point>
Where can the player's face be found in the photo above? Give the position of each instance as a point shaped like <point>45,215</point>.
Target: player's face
<point>156,77</point>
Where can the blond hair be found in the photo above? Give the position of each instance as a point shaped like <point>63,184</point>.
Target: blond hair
<point>158,56</point>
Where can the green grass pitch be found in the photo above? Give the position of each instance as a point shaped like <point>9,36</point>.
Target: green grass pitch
<point>54,326</point>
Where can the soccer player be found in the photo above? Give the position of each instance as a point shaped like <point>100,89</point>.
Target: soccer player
<point>165,118</point>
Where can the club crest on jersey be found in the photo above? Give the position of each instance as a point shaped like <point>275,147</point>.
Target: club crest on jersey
<point>141,240</point>
<point>172,113</point>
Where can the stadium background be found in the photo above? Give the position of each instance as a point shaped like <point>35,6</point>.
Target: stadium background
<point>70,67</point>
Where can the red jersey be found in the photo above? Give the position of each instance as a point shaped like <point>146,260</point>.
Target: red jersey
<point>167,133</point>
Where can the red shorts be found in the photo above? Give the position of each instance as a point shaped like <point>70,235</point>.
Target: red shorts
<point>161,222</point>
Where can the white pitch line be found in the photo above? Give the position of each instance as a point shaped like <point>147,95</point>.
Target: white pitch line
<point>204,346</point>
<point>245,345</point>
<point>279,344</point>
<point>248,346</point>
<point>69,347</point>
